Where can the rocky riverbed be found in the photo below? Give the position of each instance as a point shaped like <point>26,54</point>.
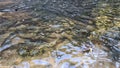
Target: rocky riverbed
<point>59,34</point>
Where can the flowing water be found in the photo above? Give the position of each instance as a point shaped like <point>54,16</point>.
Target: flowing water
<point>59,34</point>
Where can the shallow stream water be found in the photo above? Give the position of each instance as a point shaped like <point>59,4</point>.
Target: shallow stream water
<point>57,34</point>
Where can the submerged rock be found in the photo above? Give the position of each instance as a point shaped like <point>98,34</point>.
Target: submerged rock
<point>111,40</point>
